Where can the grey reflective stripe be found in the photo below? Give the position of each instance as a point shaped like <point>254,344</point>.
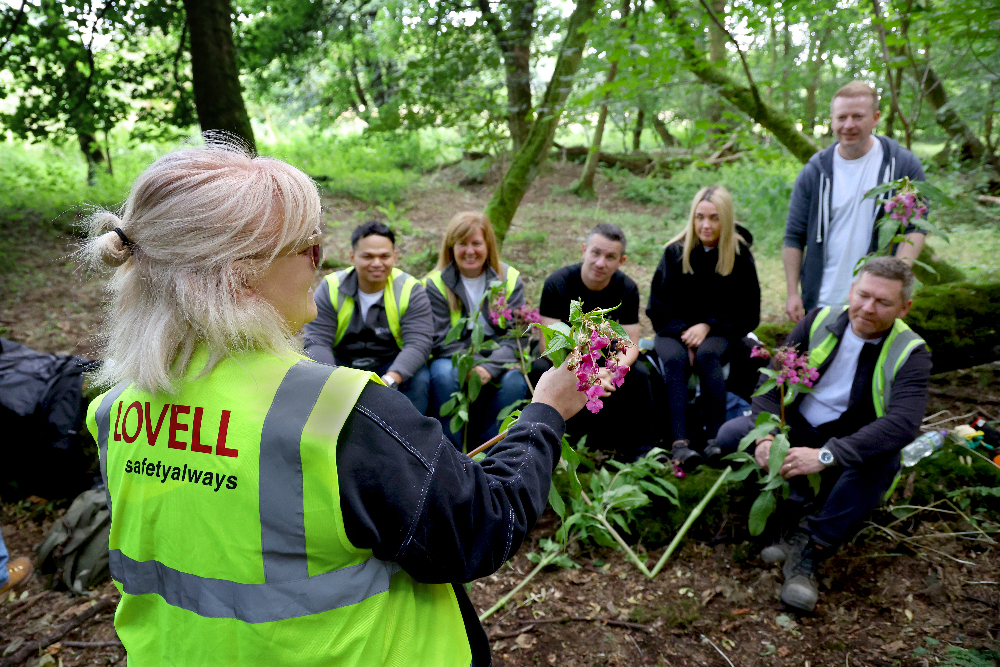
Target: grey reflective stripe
<point>253,603</point>
<point>103,417</point>
<point>282,523</point>
<point>825,317</point>
<point>900,348</point>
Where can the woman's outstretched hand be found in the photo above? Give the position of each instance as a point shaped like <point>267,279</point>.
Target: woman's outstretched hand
<point>557,388</point>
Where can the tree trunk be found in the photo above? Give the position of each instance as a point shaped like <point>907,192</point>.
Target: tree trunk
<point>747,99</point>
<point>716,56</point>
<point>815,66</point>
<point>515,47</point>
<point>956,128</point>
<point>661,129</point>
<point>214,71</point>
<point>91,149</point>
<point>585,186</point>
<point>640,120</point>
<point>525,163</point>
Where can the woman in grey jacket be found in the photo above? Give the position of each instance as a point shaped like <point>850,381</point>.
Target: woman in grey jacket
<point>468,262</point>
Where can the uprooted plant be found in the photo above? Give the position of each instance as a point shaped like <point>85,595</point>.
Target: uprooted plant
<point>792,376</point>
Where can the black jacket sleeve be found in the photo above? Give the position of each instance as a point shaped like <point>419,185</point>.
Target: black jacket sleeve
<point>409,496</point>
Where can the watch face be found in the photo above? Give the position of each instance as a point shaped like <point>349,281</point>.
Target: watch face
<point>825,457</point>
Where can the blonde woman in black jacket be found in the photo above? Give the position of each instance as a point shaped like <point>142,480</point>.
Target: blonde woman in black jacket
<point>705,297</point>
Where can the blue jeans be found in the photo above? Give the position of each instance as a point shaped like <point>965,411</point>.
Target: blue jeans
<point>4,575</point>
<point>417,388</point>
<point>492,399</point>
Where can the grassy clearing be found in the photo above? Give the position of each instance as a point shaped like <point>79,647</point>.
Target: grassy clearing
<point>386,176</point>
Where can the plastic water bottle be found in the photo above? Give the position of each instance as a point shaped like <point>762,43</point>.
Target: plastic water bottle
<point>924,446</point>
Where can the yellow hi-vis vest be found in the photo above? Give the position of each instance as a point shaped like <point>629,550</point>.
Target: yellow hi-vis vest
<point>435,277</point>
<point>899,343</point>
<point>227,536</point>
<point>396,299</point>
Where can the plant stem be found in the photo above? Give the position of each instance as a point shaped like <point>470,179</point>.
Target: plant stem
<point>520,366</point>
<point>781,399</point>
<point>695,513</point>
<point>489,443</point>
<point>502,601</point>
<point>628,550</point>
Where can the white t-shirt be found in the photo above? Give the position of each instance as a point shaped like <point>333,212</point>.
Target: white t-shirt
<point>474,288</point>
<point>832,392</point>
<point>851,220</point>
<point>366,301</point>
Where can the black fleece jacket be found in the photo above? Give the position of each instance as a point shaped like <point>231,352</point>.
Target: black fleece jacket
<point>858,435</point>
<point>730,305</point>
<point>408,495</point>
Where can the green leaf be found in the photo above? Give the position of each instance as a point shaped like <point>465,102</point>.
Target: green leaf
<point>775,482</point>
<point>793,391</point>
<point>488,345</point>
<point>761,510</point>
<point>510,420</point>
<point>742,473</point>
<point>475,386</point>
<point>575,311</point>
<point>779,450</point>
<point>815,481</point>
<point>456,424</point>
<point>449,406</point>
<point>756,432</point>
<point>456,331</point>
<point>556,501</point>
<point>618,329</point>
<point>766,387</point>
<point>477,335</point>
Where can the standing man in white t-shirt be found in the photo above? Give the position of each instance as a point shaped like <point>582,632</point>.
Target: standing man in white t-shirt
<point>828,217</point>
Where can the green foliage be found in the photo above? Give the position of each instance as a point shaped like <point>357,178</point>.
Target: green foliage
<point>374,168</point>
<point>957,656</point>
<point>760,194</point>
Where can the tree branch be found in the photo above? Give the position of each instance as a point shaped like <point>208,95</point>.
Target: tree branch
<point>13,26</point>
<point>746,68</point>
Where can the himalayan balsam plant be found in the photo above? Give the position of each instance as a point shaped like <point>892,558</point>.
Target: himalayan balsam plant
<point>582,343</point>
<point>792,375</point>
<point>904,202</point>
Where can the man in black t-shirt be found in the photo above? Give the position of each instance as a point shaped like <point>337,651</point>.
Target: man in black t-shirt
<point>598,283</point>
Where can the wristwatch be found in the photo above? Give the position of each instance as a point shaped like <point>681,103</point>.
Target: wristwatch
<point>826,457</point>
<point>389,382</point>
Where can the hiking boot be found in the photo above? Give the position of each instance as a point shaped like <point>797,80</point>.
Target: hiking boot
<point>19,570</point>
<point>684,456</point>
<point>801,589</point>
<point>783,548</point>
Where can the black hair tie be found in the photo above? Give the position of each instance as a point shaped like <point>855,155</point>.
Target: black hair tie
<point>125,242</point>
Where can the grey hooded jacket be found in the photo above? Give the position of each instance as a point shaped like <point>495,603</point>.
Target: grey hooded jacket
<point>812,196</point>
<point>493,361</point>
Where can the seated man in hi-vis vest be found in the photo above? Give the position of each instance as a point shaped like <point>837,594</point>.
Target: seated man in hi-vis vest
<point>374,317</point>
<point>267,509</point>
<point>866,406</point>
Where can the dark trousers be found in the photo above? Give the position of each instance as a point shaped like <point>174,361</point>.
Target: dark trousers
<point>708,364</point>
<point>625,424</point>
<point>847,496</point>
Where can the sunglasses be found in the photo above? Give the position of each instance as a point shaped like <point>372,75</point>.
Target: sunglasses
<point>313,248</point>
